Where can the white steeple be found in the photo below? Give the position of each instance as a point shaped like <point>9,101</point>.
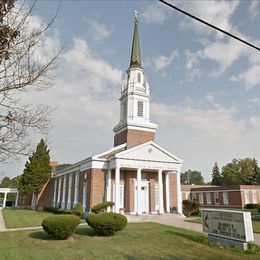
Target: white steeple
<point>135,95</point>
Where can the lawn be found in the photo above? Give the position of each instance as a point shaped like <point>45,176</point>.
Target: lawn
<point>137,241</point>
<point>15,218</point>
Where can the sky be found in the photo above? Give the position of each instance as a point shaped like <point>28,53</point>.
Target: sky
<point>205,86</point>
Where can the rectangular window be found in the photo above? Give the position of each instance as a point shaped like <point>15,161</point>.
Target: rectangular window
<point>193,195</point>
<point>201,198</point>
<point>156,197</point>
<point>121,195</point>
<point>247,199</point>
<point>140,108</point>
<point>225,198</point>
<point>254,197</point>
<point>208,198</point>
<point>216,198</point>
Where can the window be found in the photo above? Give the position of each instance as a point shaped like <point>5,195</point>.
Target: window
<point>156,197</point>
<point>140,108</point>
<point>208,198</point>
<point>121,195</point>
<point>139,77</point>
<point>216,198</point>
<point>254,197</point>
<point>201,198</point>
<point>247,200</point>
<point>225,198</point>
<point>193,196</point>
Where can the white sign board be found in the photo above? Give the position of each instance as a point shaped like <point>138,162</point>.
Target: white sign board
<point>236,225</point>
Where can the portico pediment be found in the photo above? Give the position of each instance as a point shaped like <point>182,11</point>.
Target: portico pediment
<point>149,151</point>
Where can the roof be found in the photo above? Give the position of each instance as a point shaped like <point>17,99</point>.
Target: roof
<point>135,61</point>
<point>216,188</point>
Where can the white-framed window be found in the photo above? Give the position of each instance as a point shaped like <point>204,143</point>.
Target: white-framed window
<point>225,198</point>
<point>208,197</point>
<point>140,108</point>
<point>201,198</point>
<point>193,196</point>
<point>139,77</point>
<point>76,194</point>
<point>121,195</point>
<point>156,197</point>
<point>254,195</point>
<point>216,197</point>
<point>247,199</point>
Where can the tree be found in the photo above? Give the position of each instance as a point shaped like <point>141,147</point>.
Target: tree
<point>242,171</point>
<point>36,173</point>
<point>217,178</point>
<point>192,177</point>
<point>62,166</point>
<point>25,65</point>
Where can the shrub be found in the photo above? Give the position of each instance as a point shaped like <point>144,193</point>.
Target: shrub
<point>50,209</point>
<point>64,211</point>
<point>252,206</point>
<point>78,210</point>
<point>101,207</point>
<point>60,226</point>
<point>106,223</point>
<point>189,207</point>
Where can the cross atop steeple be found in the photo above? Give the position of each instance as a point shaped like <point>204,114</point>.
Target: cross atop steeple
<point>135,61</point>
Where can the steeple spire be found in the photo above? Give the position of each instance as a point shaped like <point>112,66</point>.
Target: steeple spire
<point>135,61</point>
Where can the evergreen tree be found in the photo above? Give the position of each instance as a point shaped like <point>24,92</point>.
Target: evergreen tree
<point>36,173</point>
<point>217,178</point>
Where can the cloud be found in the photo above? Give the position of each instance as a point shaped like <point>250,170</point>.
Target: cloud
<point>254,8</point>
<point>155,14</point>
<point>99,30</point>
<point>161,62</point>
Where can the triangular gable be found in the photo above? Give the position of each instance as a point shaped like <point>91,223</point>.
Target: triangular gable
<point>149,151</point>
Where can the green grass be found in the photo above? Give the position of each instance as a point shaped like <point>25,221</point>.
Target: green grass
<point>16,218</point>
<point>137,241</point>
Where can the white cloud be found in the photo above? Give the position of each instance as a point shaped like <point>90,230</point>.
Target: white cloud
<point>99,30</point>
<point>161,62</point>
<point>156,14</point>
<point>254,8</point>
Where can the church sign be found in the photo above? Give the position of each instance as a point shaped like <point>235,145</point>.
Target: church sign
<point>228,227</point>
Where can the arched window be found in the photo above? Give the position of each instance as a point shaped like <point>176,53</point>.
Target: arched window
<point>139,77</point>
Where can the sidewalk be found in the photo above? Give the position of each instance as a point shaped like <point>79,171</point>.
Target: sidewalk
<point>2,222</point>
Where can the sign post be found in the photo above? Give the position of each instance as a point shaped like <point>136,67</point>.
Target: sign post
<point>232,228</point>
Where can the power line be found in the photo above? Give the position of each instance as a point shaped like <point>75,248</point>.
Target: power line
<point>210,25</point>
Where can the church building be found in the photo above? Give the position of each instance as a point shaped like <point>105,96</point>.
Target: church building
<point>137,174</point>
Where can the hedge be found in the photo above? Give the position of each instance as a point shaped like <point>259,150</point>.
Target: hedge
<point>60,226</point>
<point>78,210</point>
<point>101,207</point>
<point>189,207</point>
<point>106,223</point>
<point>252,206</point>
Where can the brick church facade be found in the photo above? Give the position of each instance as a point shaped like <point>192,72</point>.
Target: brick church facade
<point>137,174</point>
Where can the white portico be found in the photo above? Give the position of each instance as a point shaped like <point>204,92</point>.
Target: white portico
<point>4,192</point>
<point>141,180</point>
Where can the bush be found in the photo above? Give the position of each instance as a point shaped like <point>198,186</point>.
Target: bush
<point>189,207</point>
<point>64,211</point>
<point>101,207</point>
<point>60,226</point>
<point>50,209</point>
<point>106,223</point>
<point>252,206</point>
<point>78,210</point>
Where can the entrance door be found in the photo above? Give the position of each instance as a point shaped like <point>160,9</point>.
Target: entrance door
<point>144,197</point>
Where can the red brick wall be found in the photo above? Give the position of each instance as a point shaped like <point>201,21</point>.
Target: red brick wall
<point>45,197</point>
<point>133,137</point>
<point>173,190</point>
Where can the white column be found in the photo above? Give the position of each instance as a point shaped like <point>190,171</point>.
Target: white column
<point>138,190</point>
<point>16,199</point>
<point>68,206</point>
<point>160,191</point>
<point>4,202</point>
<point>59,190</point>
<point>117,189</point>
<point>108,191</point>
<point>84,193</point>
<point>167,191</point>
<point>76,189</point>
<point>179,195</point>
<point>63,192</point>
<point>54,193</point>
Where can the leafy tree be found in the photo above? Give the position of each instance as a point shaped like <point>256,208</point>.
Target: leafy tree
<point>62,166</point>
<point>217,178</point>
<point>192,177</point>
<point>36,173</point>
<point>242,171</point>
<point>26,64</point>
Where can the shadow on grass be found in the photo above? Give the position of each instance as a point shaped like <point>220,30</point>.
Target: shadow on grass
<point>190,236</point>
<point>85,231</point>
<point>41,235</point>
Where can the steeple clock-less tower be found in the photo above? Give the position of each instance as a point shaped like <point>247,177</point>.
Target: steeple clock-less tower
<point>134,126</point>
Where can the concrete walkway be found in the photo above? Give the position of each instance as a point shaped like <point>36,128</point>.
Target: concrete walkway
<point>2,222</point>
